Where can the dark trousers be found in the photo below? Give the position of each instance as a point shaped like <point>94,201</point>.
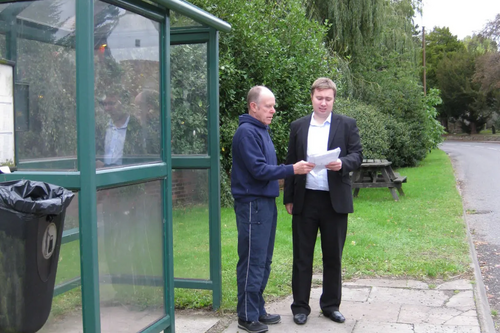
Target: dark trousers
<point>256,222</point>
<point>317,214</point>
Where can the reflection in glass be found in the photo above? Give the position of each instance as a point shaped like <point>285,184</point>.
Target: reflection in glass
<point>180,21</point>
<point>189,98</point>
<point>126,59</point>
<point>191,223</point>
<point>46,68</point>
<point>130,229</point>
<point>3,49</point>
<point>66,308</point>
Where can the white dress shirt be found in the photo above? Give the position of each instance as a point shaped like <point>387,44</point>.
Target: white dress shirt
<point>317,143</point>
<point>114,143</point>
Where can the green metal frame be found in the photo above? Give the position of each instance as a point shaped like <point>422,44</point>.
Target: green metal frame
<point>168,260</point>
<point>86,164</point>
<point>214,178</point>
<point>87,181</point>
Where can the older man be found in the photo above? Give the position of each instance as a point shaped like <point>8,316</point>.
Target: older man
<point>321,200</point>
<point>254,185</point>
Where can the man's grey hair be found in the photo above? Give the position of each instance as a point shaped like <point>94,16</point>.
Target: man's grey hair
<point>254,94</point>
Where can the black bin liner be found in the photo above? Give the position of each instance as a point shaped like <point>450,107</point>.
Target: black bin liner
<point>31,225</point>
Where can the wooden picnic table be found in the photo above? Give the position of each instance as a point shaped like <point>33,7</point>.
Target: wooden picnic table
<point>377,173</point>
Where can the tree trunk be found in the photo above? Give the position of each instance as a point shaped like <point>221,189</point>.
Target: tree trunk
<point>473,128</point>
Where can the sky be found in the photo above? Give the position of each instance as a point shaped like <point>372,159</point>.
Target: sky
<point>463,17</point>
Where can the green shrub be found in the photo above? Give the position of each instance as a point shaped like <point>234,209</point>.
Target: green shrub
<point>273,44</point>
<point>434,130</point>
<point>371,123</point>
<point>226,199</point>
<point>405,138</point>
<point>391,83</point>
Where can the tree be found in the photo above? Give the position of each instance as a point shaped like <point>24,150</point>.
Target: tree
<point>487,75</point>
<point>378,39</point>
<point>439,43</point>
<point>492,29</point>
<point>488,71</point>
<point>462,97</point>
<point>353,24</point>
<point>487,62</point>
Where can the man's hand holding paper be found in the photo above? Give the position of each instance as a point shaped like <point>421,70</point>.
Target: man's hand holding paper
<point>329,160</point>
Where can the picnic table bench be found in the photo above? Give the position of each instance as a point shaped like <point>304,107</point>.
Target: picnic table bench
<point>377,173</point>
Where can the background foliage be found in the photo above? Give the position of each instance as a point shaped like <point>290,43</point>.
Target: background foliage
<point>369,49</point>
<point>467,74</point>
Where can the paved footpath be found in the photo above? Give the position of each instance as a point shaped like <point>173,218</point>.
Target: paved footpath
<point>369,305</point>
<point>380,306</point>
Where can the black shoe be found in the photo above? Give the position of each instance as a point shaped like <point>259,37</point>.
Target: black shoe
<point>252,326</point>
<point>336,316</point>
<point>300,318</point>
<point>270,319</point>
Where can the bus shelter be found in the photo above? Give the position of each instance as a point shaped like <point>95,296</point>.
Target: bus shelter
<point>117,100</point>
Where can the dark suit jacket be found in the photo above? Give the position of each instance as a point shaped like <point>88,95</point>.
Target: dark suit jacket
<point>344,134</point>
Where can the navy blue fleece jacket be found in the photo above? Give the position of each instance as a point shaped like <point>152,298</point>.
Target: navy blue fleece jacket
<point>255,171</point>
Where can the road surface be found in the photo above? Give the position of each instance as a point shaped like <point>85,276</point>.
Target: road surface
<point>477,170</point>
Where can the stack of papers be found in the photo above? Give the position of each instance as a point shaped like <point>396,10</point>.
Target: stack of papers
<point>321,160</point>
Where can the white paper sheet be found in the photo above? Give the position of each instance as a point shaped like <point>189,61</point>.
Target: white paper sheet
<point>4,169</point>
<point>321,160</point>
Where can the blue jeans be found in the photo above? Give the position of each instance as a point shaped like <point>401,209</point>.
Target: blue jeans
<point>256,222</point>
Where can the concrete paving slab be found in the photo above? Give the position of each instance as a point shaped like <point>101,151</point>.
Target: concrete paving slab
<point>359,294</point>
<point>356,294</point>
<point>71,323</point>
<point>194,324</point>
<point>114,319</point>
<point>455,285</point>
<point>389,283</point>
<point>417,314</point>
<point>463,301</point>
<point>408,296</point>
<point>376,312</point>
<point>426,328</point>
<point>120,319</point>
<point>373,327</point>
<point>281,307</point>
<point>468,318</point>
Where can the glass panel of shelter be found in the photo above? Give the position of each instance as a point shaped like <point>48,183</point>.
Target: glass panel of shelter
<point>127,66</point>
<point>46,77</point>
<point>189,87</point>
<point>128,131</point>
<point>190,137</point>
<point>127,85</point>
<point>190,223</point>
<point>130,239</point>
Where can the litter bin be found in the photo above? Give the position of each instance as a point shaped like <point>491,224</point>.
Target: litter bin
<point>31,225</point>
